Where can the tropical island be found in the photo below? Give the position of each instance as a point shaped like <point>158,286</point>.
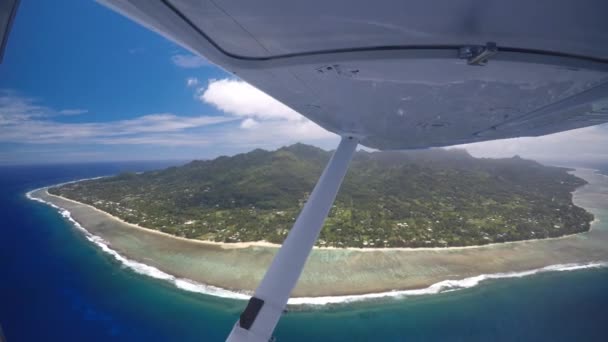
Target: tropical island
<point>429,198</point>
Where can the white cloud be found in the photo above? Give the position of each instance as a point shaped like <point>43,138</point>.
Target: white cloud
<point>189,61</point>
<point>24,121</point>
<point>265,120</point>
<point>251,119</point>
<point>73,111</point>
<point>164,123</point>
<point>278,133</point>
<point>587,144</point>
<point>268,120</point>
<point>242,99</point>
<point>249,123</point>
<point>122,131</point>
<point>15,108</point>
<point>192,81</point>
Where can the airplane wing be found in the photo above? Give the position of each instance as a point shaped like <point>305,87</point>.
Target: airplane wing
<point>403,74</point>
<point>8,9</point>
<point>395,74</point>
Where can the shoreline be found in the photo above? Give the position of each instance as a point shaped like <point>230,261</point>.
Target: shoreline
<point>435,288</point>
<point>414,287</point>
<point>248,244</point>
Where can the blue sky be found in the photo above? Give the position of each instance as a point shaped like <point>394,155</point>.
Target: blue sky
<point>82,83</point>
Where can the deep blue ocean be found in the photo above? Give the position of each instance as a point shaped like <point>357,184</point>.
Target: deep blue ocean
<point>57,286</point>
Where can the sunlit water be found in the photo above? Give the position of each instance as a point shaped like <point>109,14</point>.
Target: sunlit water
<point>56,285</point>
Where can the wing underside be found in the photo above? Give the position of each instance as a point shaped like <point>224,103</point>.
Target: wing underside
<point>396,73</point>
<point>8,9</point>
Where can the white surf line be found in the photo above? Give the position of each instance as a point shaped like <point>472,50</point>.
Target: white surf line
<point>141,268</point>
<point>193,286</point>
<point>29,193</point>
<point>445,285</point>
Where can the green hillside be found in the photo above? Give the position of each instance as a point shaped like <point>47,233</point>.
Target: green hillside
<point>424,198</point>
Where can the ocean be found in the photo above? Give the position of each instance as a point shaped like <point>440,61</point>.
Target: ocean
<point>57,286</point>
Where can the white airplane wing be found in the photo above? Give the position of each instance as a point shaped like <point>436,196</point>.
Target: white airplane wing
<point>395,74</point>
<point>398,74</point>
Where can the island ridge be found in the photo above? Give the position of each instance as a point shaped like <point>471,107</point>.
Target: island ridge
<point>430,198</point>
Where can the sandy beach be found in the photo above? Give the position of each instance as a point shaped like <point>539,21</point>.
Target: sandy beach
<point>352,271</point>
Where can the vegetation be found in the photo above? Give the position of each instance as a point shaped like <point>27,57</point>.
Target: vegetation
<point>430,198</point>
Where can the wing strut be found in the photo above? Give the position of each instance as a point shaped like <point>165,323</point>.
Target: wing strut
<point>264,309</point>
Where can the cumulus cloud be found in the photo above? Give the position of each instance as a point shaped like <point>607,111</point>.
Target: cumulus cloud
<point>264,118</point>
<point>23,120</point>
<point>189,61</point>
<point>242,99</point>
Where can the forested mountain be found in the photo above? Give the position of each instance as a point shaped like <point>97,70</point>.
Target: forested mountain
<point>388,199</point>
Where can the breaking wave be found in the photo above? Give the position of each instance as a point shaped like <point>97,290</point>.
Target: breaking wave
<point>193,286</point>
<point>139,267</point>
<point>444,286</point>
